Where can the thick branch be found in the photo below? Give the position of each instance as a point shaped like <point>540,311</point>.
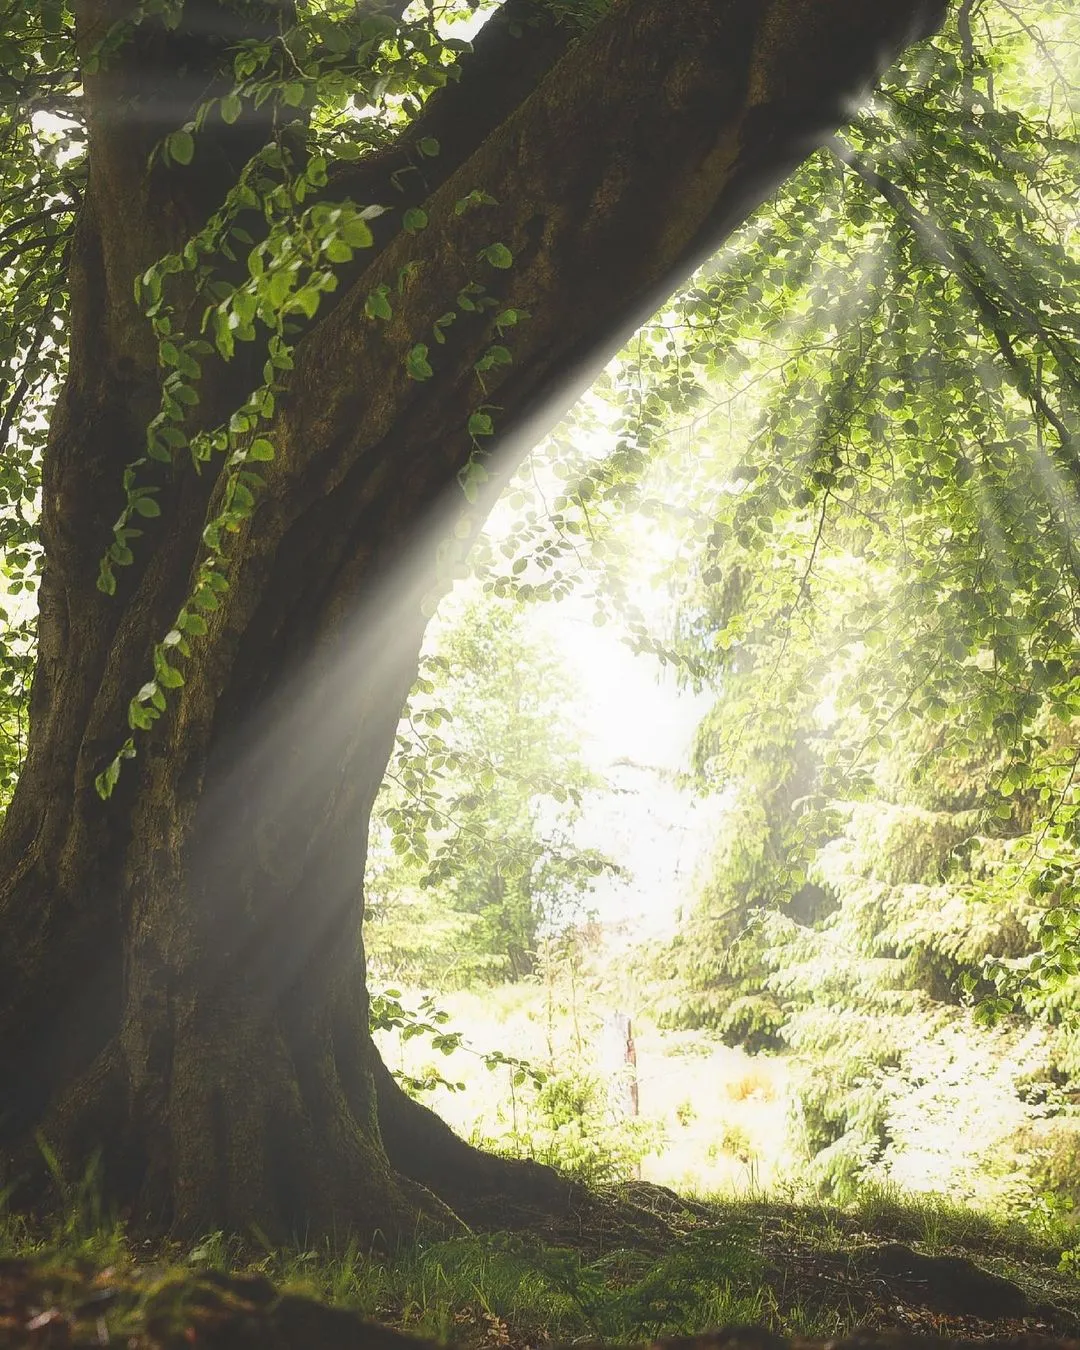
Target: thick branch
<point>680,121</point>
<point>509,57</point>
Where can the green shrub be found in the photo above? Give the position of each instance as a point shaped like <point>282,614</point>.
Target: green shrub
<point>569,1123</point>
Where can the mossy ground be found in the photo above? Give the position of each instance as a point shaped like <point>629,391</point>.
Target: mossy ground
<point>796,1269</point>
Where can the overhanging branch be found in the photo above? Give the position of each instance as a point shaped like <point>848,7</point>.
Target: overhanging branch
<point>640,151</point>
<point>510,55</point>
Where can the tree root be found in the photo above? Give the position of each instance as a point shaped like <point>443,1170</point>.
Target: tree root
<point>494,1193</point>
<point>250,1135</point>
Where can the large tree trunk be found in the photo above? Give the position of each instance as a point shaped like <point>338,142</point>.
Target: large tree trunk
<point>181,970</point>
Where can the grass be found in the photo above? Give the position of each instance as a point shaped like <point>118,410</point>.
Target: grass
<point>770,1261</point>
<point>454,1290</point>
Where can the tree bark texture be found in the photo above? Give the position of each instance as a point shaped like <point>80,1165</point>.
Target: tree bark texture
<point>182,980</point>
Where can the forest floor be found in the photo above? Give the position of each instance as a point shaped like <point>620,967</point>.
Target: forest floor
<point>797,1270</point>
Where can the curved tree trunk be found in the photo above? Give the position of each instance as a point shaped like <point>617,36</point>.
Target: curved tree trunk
<point>181,967</point>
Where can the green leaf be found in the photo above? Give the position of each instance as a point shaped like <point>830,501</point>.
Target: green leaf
<point>146,506</point>
<point>307,300</point>
<point>417,364</point>
<point>480,424</point>
<point>173,436</point>
<point>168,676</point>
<point>498,255</point>
<point>108,779</point>
<point>260,449</point>
<point>494,356</point>
<point>473,199</point>
<point>377,306</point>
<point>139,718</point>
<point>443,321</point>
<point>414,220</point>
<point>180,146</point>
<point>357,232</point>
<point>205,598</point>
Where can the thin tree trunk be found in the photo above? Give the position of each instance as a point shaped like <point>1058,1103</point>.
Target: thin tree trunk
<point>182,970</point>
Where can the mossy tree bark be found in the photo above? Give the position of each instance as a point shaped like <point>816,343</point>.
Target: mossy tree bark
<point>181,970</point>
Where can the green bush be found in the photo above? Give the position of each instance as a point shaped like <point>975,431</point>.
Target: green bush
<point>568,1122</point>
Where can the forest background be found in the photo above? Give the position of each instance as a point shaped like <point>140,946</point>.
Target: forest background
<point>820,488</point>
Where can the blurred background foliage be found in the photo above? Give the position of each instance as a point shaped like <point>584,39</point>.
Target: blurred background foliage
<point>847,454</point>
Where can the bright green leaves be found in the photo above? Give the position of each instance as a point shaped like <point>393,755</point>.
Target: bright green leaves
<point>498,255</point>
<point>377,305</point>
<point>166,674</point>
<point>191,623</point>
<point>107,780</point>
<point>508,318</point>
<point>260,268</point>
<point>209,589</point>
<point>141,502</point>
<point>835,422</point>
<point>231,108</point>
<point>388,1013</point>
<point>355,230</point>
<point>472,200</point>
<point>150,703</point>
<point>480,424</point>
<point>485,737</point>
<point>106,579</point>
<point>289,271</point>
<point>42,178</point>
<point>414,220</point>
<point>417,364</point>
<point>180,146</point>
<point>493,357</point>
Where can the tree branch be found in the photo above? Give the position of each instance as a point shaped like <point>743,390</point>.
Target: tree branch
<point>681,122</point>
<point>47,241</point>
<point>513,51</point>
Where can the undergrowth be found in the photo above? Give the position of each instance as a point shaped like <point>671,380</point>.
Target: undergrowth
<point>453,1289</point>
<point>765,1261</point>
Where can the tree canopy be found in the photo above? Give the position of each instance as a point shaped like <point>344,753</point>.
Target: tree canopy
<point>877,573</point>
